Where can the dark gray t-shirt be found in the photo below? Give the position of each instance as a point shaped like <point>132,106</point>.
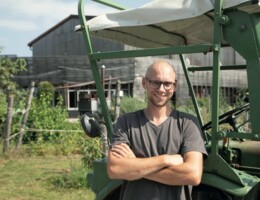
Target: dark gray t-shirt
<point>179,134</point>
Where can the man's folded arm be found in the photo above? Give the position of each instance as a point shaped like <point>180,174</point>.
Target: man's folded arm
<point>122,163</point>
<point>188,173</point>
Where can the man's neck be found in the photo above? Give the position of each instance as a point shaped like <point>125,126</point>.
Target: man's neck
<point>157,115</point>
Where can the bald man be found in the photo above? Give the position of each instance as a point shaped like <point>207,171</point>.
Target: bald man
<point>157,150</point>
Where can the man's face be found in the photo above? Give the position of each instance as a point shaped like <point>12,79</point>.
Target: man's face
<point>160,85</point>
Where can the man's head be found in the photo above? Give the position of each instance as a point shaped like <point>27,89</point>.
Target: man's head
<point>159,82</point>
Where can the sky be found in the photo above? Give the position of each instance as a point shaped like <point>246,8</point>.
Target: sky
<point>21,21</point>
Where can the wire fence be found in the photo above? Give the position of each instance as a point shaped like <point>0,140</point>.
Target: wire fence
<point>42,130</point>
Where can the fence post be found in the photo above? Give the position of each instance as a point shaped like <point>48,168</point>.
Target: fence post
<point>9,116</point>
<point>25,116</point>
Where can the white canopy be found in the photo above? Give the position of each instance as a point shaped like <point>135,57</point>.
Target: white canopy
<point>163,23</point>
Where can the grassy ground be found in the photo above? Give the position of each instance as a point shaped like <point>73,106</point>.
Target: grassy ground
<point>30,178</point>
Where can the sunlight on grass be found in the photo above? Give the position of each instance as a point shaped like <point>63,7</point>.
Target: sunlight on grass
<point>32,178</point>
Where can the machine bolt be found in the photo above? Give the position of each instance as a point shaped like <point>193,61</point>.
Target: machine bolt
<point>221,134</point>
<point>224,20</point>
<point>242,27</point>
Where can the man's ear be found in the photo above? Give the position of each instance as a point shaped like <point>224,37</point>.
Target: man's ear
<point>144,83</point>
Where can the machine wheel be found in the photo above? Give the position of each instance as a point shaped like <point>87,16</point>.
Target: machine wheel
<point>204,192</point>
<point>114,195</point>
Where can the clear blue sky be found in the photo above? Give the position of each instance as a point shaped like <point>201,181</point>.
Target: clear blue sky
<point>21,21</point>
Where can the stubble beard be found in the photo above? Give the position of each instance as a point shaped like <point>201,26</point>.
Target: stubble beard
<point>161,103</point>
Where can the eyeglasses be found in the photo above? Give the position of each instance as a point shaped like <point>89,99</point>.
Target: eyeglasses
<point>157,84</point>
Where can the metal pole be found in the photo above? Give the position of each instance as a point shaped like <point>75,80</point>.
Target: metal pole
<point>103,67</point>
<point>117,100</point>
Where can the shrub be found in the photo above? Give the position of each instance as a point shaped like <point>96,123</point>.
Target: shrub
<point>204,107</point>
<point>130,104</point>
<point>46,91</point>
<point>44,115</point>
<point>91,151</point>
<point>75,178</point>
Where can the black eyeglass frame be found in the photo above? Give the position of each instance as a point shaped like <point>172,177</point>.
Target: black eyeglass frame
<point>157,84</point>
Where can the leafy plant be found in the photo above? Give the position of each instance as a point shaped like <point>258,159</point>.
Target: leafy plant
<point>8,69</point>
<point>204,107</point>
<point>91,151</point>
<point>130,104</point>
<point>8,87</point>
<point>45,116</point>
<point>75,178</point>
<point>46,91</point>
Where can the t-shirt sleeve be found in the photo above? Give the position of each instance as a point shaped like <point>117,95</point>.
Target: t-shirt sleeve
<point>192,137</point>
<point>120,132</point>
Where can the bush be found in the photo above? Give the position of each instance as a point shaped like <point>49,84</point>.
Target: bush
<point>91,151</point>
<point>46,91</point>
<point>75,178</point>
<point>66,143</point>
<point>130,104</point>
<point>204,107</point>
<point>44,115</point>
<point>18,106</point>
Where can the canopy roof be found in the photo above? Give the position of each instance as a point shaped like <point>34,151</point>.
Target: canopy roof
<point>163,23</point>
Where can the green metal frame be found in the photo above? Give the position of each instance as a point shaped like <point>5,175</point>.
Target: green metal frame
<point>236,27</point>
<point>94,66</point>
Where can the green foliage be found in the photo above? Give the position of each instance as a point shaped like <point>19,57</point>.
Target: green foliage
<point>70,143</point>
<point>19,104</point>
<point>242,97</point>
<point>91,151</point>
<point>8,69</point>
<point>204,107</point>
<point>65,143</point>
<point>3,109</point>
<point>46,91</point>
<point>43,115</point>
<point>75,178</point>
<point>130,104</point>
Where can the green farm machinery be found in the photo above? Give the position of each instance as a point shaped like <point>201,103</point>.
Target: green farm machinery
<point>232,170</point>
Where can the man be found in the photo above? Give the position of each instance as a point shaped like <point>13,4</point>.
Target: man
<point>158,150</point>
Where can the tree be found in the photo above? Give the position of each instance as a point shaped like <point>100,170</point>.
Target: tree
<point>8,86</point>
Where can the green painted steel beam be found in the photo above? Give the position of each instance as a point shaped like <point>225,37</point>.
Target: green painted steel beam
<point>226,185</point>
<point>95,69</point>
<point>223,67</point>
<point>152,52</point>
<point>243,33</point>
<point>224,170</point>
<point>111,4</point>
<point>193,96</point>
<point>216,78</point>
<point>247,136</point>
<point>215,165</point>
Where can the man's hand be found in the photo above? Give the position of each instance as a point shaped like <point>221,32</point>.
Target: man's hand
<point>122,151</point>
